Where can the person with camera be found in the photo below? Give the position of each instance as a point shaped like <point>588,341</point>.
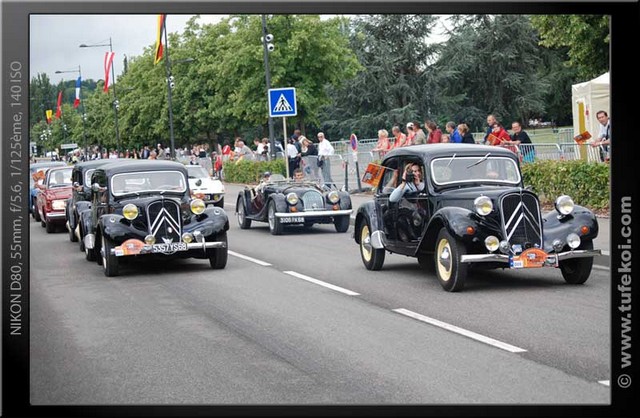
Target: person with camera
<point>411,182</point>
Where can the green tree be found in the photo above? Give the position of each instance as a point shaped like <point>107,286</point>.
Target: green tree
<point>392,86</point>
<point>586,36</point>
<point>490,64</point>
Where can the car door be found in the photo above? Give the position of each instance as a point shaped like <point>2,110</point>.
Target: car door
<point>409,217</point>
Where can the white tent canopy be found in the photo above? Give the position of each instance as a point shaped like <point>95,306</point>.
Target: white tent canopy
<point>589,98</point>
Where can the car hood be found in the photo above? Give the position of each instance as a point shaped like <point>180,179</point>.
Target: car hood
<point>207,186</point>
<point>58,193</point>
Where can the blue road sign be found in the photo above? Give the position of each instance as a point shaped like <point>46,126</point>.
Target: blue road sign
<point>282,102</point>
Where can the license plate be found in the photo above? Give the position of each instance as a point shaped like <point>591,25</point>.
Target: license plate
<point>530,258</point>
<point>293,220</point>
<point>169,248</point>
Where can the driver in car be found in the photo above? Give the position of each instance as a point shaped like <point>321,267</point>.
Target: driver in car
<point>411,182</point>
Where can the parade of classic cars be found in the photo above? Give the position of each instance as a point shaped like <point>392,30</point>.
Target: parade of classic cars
<point>465,207</point>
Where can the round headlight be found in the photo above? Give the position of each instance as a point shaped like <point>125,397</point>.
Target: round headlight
<point>292,199</point>
<point>504,247</point>
<point>564,205</point>
<point>333,196</point>
<point>573,241</point>
<point>483,205</point>
<point>150,239</point>
<point>197,206</point>
<point>187,237</point>
<point>492,243</point>
<point>130,211</point>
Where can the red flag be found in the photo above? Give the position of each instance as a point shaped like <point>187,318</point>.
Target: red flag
<point>108,61</point>
<point>159,49</point>
<point>59,108</point>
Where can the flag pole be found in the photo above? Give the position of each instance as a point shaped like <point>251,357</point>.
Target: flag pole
<point>169,81</point>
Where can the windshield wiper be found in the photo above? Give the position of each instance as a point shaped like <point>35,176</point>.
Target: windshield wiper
<point>451,160</point>
<point>479,161</point>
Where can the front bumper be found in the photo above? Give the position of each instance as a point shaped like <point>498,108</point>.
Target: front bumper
<point>552,258</point>
<point>314,214</point>
<point>56,216</point>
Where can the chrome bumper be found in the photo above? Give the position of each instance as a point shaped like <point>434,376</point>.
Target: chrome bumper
<point>503,258</point>
<point>314,213</point>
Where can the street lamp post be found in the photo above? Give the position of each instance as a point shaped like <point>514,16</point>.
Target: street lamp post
<point>267,47</point>
<point>83,115</point>
<point>116,103</point>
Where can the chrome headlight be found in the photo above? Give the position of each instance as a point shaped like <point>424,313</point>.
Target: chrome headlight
<point>187,237</point>
<point>292,199</point>
<point>564,205</point>
<point>149,239</point>
<point>492,243</point>
<point>197,206</point>
<point>58,205</point>
<point>333,196</point>
<point>130,211</point>
<point>216,197</point>
<point>483,205</point>
<point>573,241</point>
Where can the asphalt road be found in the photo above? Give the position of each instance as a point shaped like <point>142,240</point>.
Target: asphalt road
<point>297,319</point>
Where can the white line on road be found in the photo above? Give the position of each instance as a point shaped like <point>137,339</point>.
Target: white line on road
<point>253,260</point>
<point>321,283</point>
<point>604,382</point>
<point>461,331</point>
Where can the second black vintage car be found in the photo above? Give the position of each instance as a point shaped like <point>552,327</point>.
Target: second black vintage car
<point>468,207</point>
<point>145,209</point>
<point>281,202</point>
<point>80,198</point>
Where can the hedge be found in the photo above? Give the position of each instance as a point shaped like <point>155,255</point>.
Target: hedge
<point>248,172</point>
<point>587,183</point>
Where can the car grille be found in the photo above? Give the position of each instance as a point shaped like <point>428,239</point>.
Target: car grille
<point>164,220</point>
<point>313,200</point>
<point>521,219</point>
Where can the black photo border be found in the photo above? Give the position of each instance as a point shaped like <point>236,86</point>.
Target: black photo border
<point>15,218</point>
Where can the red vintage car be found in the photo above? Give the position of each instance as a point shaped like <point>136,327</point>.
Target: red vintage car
<point>51,201</point>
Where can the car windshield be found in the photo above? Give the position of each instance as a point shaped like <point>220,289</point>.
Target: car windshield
<point>148,181</point>
<point>484,169</point>
<point>197,172</point>
<point>60,177</point>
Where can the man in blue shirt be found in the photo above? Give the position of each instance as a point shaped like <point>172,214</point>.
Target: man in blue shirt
<point>454,135</point>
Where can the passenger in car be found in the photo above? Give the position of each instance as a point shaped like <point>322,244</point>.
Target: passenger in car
<point>411,182</point>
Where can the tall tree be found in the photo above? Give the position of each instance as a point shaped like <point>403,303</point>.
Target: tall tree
<point>586,36</point>
<point>490,64</point>
<point>392,86</point>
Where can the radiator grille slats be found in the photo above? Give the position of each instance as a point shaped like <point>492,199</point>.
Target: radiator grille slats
<point>164,220</point>
<point>313,200</point>
<point>521,219</point>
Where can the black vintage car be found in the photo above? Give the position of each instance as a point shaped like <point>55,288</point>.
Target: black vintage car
<point>474,211</point>
<point>80,198</point>
<point>281,202</point>
<point>145,209</point>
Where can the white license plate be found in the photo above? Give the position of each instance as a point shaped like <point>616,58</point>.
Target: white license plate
<point>293,220</point>
<point>169,248</point>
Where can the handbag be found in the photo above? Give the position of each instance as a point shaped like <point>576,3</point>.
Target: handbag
<point>320,162</point>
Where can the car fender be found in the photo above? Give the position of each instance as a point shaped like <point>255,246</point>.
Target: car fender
<point>245,197</point>
<point>366,211</point>
<point>455,220</point>
<point>86,222</point>
<point>212,221</point>
<point>556,226</point>
<point>114,227</point>
<point>280,200</point>
<point>345,200</point>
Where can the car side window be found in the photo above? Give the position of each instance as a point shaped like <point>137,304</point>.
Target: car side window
<point>389,178</point>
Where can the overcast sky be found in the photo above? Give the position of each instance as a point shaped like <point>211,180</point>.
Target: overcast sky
<point>54,41</point>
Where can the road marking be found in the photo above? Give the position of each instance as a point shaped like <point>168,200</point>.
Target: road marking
<point>461,331</point>
<point>604,382</point>
<point>321,283</point>
<point>253,260</point>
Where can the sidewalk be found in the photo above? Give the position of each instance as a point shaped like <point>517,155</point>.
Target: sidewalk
<point>600,243</point>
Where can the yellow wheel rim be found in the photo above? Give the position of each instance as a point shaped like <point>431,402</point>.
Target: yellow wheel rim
<point>365,243</point>
<point>443,260</point>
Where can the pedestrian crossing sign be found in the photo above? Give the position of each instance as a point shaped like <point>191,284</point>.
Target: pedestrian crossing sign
<point>282,102</point>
